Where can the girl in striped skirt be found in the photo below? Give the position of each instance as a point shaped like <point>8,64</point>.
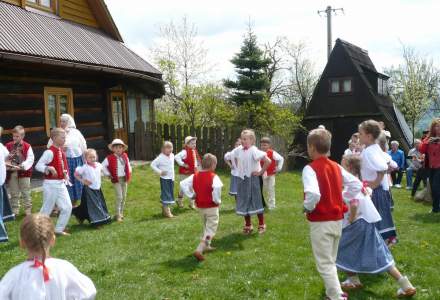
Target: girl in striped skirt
<point>361,248</point>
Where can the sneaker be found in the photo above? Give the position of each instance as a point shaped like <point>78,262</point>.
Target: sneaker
<point>408,293</point>
<point>351,284</point>
<point>409,188</point>
<point>398,186</point>
<point>180,202</point>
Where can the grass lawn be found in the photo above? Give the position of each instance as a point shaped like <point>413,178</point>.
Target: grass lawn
<point>148,257</point>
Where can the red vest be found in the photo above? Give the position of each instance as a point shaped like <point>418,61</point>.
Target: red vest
<point>331,207</point>
<point>192,156</point>
<point>202,186</point>
<point>25,149</point>
<point>59,162</point>
<point>113,167</point>
<point>272,169</point>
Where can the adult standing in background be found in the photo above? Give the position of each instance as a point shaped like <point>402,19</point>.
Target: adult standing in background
<point>414,162</point>
<point>398,157</point>
<point>431,148</point>
<point>75,148</point>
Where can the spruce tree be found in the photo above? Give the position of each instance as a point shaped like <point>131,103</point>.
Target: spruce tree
<point>249,90</point>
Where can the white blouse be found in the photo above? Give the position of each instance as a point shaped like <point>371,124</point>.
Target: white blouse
<point>23,282</point>
<point>91,173</point>
<point>373,161</point>
<point>247,160</point>
<point>164,163</point>
<point>75,144</point>
<point>365,210</point>
<point>3,155</point>
<point>234,170</point>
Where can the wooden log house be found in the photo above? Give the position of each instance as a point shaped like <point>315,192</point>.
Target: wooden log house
<point>67,56</point>
<point>350,91</point>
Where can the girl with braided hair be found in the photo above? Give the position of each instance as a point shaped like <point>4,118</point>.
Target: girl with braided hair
<point>42,277</point>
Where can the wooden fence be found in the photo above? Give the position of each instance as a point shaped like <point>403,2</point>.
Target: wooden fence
<point>148,138</point>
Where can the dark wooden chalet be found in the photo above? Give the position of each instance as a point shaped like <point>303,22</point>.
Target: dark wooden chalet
<point>67,56</point>
<point>350,91</point>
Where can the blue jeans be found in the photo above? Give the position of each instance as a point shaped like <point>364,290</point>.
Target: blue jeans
<point>409,176</point>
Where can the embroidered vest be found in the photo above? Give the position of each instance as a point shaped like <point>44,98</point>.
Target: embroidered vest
<point>202,185</point>
<point>272,169</point>
<point>113,167</point>
<point>59,162</point>
<point>14,155</point>
<point>192,156</point>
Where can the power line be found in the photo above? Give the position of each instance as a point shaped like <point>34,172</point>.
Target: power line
<point>329,11</point>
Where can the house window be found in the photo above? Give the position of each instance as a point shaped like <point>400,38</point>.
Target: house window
<point>57,101</point>
<point>145,110</point>
<point>118,113</point>
<point>45,4</point>
<point>382,86</point>
<point>341,85</point>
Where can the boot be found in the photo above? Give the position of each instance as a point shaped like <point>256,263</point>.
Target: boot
<point>180,202</point>
<point>192,204</point>
<point>406,289</point>
<point>166,212</point>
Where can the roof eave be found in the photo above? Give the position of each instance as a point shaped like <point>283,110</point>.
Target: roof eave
<point>107,23</point>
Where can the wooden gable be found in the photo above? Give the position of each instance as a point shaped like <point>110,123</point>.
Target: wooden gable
<point>93,13</point>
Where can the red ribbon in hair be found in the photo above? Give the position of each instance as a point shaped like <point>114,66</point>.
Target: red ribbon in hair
<point>38,264</point>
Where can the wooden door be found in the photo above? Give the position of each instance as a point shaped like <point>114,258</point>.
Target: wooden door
<point>118,110</point>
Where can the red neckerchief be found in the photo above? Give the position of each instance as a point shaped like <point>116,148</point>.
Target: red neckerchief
<point>38,264</point>
<point>245,148</point>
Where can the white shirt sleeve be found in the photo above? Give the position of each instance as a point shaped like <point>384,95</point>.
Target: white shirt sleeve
<point>279,161</point>
<point>179,157</point>
<point>105,167</point>
<point>227,156</point>
<point>258,154</point>
<point>312,194</point>
<point>27,164</point>
<point>130,169</point>
<point>155,165</point>
<point>79,286</point>
<point>217,190</point>
<point>187,187</point>
<point>352,185</point>
<point>45,159</point>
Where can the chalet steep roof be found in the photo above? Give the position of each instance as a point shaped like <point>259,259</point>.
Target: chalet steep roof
<point>358,55</point>
<point>33,35</point>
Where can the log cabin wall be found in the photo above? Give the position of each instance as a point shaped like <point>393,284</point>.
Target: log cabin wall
<point>22,103</point>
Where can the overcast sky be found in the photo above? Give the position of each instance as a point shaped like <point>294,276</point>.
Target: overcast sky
<point>377,26</point>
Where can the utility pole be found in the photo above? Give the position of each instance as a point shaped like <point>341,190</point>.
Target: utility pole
<point>328,11</point>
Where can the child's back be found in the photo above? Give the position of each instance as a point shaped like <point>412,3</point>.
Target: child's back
<point>24,282</point>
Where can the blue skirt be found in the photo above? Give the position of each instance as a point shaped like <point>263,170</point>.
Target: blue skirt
<point>92,208</point>
<point>382,201</point>
<point>166,191</point>
<point>3,233</point>
<point>249,196</point>
<point>362,250</point>
<point>76,188</point>
<point>233,185</point>
<point>7,214</point>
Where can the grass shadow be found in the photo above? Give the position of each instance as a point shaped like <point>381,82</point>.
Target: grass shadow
<point>186,264</point>
<point>426,218</point>
<point>232,242</point>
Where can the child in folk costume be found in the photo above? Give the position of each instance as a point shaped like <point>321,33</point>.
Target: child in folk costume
<point>205,187</point>
<point>323,180</point>
<point>163,165</point>
<point>361,248</point>
<point>117,167</point>
<point>189,162</point>
<point>53,165</point>
<point>373,171</point>
<point>93,207</point>
<point>21,160</point>
<point>234,172</point>
<point>42,277</point>
<point>3,154</point>
<point>249,170</point>
<point>275,166</point>
<point>387,181</point>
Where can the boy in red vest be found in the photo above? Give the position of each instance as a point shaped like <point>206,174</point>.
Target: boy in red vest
<point>275,166</point>
<point>324,207</point>
<point>189,162</point>
<point>205,187</point>
<point>53,164</point>
<point>117,167</point>
<point>20,159</point>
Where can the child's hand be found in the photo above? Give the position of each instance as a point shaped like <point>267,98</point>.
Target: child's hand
<point>186,166</point>
<point>51,170</point>
<point>86,182</point>
<point>163,173</point>
<point>255,173</point>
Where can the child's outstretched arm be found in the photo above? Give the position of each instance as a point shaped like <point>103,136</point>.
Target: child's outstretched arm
<point>312,194</point>
<point>217,190</point>
<point>186,186</point>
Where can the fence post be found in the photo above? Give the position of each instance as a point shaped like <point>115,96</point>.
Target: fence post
<point>172,138</point>
<point>166,132</point>
<point>219,144</point>
<point>211,140</point>
<point>185,131</point>
<point>199,139</point>
<point>179,139</point>
<point>205,140</point>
